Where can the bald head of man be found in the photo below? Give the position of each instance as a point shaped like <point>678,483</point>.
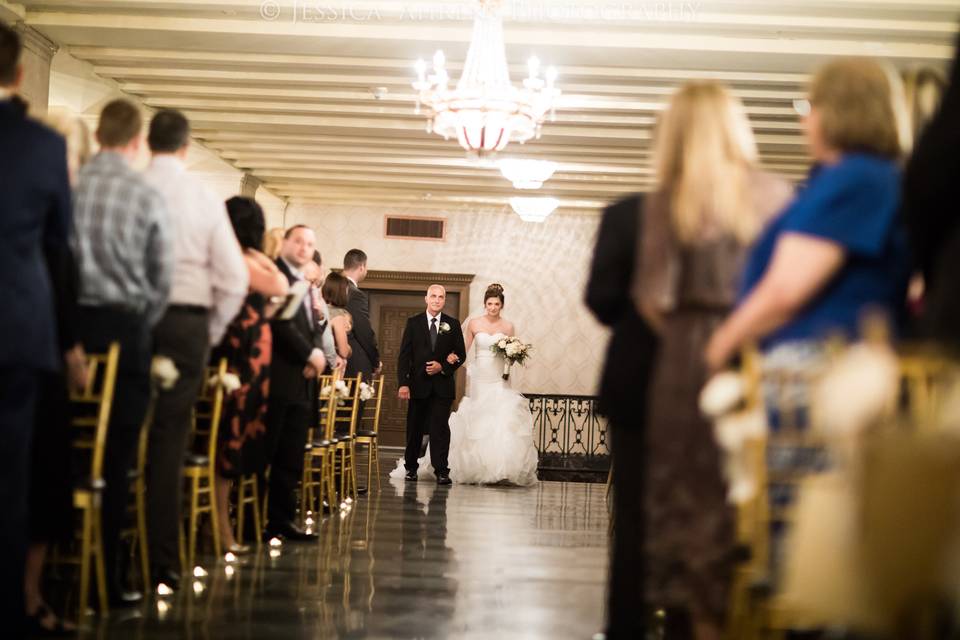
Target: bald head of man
<point>436,297</point>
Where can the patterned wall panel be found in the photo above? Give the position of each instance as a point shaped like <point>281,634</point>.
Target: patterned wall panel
<point>543,268</point>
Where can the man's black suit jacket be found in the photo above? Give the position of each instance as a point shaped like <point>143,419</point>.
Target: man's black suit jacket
<point>364,356</point>
<point>415,353</point>
<point>35,222</point>
<point>293,341</point>
<point>633,345</point>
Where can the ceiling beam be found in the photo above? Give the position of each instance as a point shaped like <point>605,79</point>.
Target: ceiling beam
<point>658,38</point>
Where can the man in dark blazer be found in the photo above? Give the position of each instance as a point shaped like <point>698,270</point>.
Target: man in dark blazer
<point>623,392</point>
<point>297,360</point>
<point>365,357</point>
<point>34,218</point>
<point>431,351</point>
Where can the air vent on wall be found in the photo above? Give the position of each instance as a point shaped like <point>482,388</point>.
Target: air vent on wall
<point>416,228</point>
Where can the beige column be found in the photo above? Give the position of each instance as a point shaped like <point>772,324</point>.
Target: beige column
<point>249,185</point>
<point>38,52</point>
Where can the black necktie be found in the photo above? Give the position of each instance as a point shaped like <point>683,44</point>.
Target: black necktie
<point>433,333</point>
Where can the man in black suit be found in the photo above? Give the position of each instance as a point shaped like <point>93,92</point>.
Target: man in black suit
<point>34,217</point>
<point>623,392</point>
<point>365,357</point>
<point>431,351</point>
<point>297,360</point>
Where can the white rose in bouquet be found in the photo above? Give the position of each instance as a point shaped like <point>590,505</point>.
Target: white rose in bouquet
<point>513,349</point>
<point>503,343</point>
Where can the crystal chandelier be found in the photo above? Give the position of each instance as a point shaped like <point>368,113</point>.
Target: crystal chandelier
<point>534,209</point>
<point>485,111</point>
<point>527,174</point>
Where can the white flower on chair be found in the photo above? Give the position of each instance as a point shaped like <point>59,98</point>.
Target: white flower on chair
<point>366,391</point>
<point>164,372</point>
<point>229,381</point>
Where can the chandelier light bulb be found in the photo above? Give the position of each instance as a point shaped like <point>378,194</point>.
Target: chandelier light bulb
<point>534,209</point>
<point>439,60</point>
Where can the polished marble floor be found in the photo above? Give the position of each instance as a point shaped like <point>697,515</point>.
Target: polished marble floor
<point>409,561</point>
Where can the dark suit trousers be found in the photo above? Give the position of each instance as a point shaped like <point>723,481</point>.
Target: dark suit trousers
<point>18,390</point>
<point>99,326</point>
<point>626,611</point>
<point>429,416</point>
<point>287,423</point>
<point>184,337</point>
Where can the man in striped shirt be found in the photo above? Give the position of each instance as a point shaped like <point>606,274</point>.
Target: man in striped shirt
<point>124,250</point>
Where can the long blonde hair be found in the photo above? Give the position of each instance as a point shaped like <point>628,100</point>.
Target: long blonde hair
<point>704,155</point>
<point>76,133</point>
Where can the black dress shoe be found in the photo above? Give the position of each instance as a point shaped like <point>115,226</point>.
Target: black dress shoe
<point>122,598</point>
<point>166,576</point>
<point>411,476</point>
<point>292,532</point>
<point>444,480</point>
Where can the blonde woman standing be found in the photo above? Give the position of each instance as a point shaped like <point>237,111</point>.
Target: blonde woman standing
<point>709,203</point>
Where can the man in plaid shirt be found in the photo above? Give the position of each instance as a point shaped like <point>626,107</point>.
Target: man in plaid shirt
<point>124,249</point>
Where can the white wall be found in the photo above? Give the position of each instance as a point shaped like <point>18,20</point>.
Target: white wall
<point>543,268</point>
<point>74,87</point>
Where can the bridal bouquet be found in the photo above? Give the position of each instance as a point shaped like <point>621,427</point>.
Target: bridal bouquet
<point>513,351</point>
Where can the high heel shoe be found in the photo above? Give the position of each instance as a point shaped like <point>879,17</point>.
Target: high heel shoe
<point>55,626</point>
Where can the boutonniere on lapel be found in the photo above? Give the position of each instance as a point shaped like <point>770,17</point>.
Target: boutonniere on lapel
<point>444,328</point>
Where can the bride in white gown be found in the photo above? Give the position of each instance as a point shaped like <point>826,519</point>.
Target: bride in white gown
<point>491,433</point>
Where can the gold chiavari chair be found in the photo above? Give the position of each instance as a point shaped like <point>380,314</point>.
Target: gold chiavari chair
<point>90,410</point>
<point>137,509</point>
<point>316,483</point>
<point>248,495</point>
<point>345,441</point>
<point>926,377</point>
<point>200,469</point>
<point>369,427</point>
<point>757,609</point>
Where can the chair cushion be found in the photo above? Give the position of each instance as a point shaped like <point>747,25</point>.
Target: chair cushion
<point>196,460</point>
<point>366,433</point>
<point>322,443</point>
<point>133,474</point>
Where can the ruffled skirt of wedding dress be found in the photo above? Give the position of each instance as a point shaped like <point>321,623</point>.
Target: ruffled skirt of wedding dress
<point>491,439</point>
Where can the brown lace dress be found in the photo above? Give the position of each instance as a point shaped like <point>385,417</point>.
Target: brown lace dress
<point>688,523</point>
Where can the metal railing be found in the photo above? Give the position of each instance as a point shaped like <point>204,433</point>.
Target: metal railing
<point>571,437</point>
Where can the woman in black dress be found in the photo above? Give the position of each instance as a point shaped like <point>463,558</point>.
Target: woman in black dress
<point>248,347</point>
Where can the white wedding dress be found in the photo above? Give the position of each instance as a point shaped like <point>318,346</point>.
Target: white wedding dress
<point>491,433</point>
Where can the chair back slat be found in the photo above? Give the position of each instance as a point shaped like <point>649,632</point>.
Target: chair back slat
<point>374,406</point>
<point>91,407</point>
<point>208,411</point>
<point>327,421</point>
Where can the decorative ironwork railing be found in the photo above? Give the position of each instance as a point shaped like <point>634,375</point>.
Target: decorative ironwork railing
<point>570,434</point>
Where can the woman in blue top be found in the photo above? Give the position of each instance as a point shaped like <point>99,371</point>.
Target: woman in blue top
<point>838,250</point>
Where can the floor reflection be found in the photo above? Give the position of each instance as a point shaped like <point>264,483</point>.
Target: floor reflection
<point>411,561</point>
